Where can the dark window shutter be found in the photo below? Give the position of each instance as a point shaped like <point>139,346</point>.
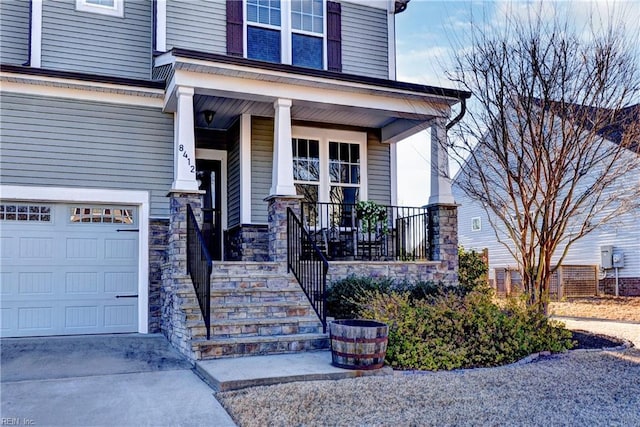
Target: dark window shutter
<point>234,28</point>
<point>334,36</point>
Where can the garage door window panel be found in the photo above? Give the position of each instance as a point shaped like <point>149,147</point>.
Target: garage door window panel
<point>24,212</point>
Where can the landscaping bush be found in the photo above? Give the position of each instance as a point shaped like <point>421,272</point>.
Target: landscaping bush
<point>343,295</point>
<point>452,331</point>
<point>472,270</point>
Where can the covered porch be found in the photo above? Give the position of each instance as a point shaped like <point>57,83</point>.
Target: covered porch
<point>281,132</point>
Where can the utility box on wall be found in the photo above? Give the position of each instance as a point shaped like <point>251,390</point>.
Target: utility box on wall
<point>606,257</point>
<point>617,259</point>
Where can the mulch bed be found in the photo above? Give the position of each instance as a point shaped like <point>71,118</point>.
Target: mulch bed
<point>589,341</point>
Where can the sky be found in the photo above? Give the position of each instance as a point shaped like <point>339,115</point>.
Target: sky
<point>427,34</point>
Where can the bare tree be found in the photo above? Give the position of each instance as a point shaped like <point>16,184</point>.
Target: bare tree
<point>551,137</point>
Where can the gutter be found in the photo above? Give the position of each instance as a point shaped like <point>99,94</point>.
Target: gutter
<point>456,119</point>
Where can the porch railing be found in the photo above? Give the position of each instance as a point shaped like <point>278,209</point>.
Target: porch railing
<point>308,264</point>
<point>199,267</point>
<point>400,234</point>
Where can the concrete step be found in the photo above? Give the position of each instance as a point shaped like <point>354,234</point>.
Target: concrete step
<point>237,373</point>
<point>243,267</point>
<point>216,348</point>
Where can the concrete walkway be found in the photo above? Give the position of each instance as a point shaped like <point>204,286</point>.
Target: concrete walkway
<point>625,330</point>
<point>242,372</point>
<point>103,380</point>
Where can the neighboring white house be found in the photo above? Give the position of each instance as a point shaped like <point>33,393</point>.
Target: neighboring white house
<point>619,238</point>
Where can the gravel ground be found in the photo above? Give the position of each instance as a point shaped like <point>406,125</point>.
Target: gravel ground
<point>612,308</point>
<point>576,388</point>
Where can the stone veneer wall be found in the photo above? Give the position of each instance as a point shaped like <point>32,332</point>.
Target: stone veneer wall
<point>277,214</point>
<point>627,286</point>
<point>175,281</point>
<point>396,270</point>
<point>247,243</point>
<point>158,233</point>
<point>443,239</point>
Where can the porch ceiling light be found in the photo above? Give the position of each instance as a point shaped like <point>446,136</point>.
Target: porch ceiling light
<point>208,116</point>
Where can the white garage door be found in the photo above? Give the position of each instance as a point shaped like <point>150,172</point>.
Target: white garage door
<point>68,269</point>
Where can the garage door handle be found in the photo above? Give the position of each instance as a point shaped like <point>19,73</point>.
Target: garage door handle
<point>126,296</point>
<point>127,230</point>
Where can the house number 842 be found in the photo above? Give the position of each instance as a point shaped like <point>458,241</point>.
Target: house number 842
<point>192,168</point>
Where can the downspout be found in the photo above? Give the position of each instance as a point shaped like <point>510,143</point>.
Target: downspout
<point>456,119</point>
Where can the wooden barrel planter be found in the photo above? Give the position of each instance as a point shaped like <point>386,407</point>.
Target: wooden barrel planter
<point>358,344</point>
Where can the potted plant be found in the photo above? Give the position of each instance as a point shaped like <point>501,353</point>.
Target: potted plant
<point>370,214</point>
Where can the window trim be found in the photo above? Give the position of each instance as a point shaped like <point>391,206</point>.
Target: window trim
<point>324,136</point>
<point>286,32</point>
<point>117,9</point>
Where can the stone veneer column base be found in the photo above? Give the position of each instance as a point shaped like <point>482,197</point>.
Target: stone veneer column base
<point>443,239</point>
<point>278,224</point>
<point>175,280</point>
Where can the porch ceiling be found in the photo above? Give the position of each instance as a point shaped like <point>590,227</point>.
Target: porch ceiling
<point>227,111</point>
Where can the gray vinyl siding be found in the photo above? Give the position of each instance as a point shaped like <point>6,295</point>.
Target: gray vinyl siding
<point>14,32</point>
<point>364,41</point>
<point>69,143</point>
<point>197,25</point>
<point>261,161</point>
<point>233,179</point>
<point>379,170</point>
<point>95,43</point>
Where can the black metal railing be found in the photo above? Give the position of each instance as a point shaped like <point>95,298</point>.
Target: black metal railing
<point>199,267</point>
<point>395,233</point>
<point>308,264</point>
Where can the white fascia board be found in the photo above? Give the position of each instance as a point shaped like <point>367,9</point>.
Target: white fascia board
<point>81,90</point>
<point>243,88</point>
<point>97,195</point>
<point>248,73</point>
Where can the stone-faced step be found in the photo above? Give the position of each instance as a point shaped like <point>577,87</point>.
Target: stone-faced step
<point>277,309</point>
<point>278,281</point>
<point>257,327</point>
<point>244,267</point>
<point>252,346</point>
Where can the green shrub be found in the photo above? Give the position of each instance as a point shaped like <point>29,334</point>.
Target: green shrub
<point>343,295</point>
<point>472,270</point>
<point>452,330</point>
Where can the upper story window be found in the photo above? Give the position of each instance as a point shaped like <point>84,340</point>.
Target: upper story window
<point>290,32</point>
<point>105,7</point>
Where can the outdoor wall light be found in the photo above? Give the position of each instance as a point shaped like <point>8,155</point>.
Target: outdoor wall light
<point>208,116</point>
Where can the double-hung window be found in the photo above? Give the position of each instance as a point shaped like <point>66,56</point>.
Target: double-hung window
<point>286,31</point>
<point>329,165</point>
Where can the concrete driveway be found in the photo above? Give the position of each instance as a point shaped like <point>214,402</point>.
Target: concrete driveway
<point>98,380</point>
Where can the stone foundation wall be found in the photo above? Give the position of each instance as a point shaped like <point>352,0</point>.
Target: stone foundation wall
<point>443,240</point>
<point>627,286</point>
<point>158,233</point>
<point>175,281</point>
<point>398,271</point>
<point>247,243</point>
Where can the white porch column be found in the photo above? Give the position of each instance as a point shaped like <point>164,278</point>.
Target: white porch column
<point>184,143</point>
<point>440,180</point>
<point>282,170</point>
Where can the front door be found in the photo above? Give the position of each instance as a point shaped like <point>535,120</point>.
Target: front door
<point>210,178</point>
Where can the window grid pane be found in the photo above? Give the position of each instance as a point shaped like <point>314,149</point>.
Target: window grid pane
<point>344,163</point>
<point>306,160</point>
<point>307,15</point>
<point>264,12</point>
